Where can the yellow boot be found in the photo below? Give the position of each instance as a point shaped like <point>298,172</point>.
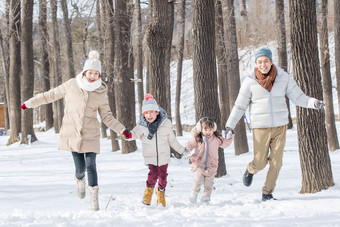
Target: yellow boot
<point>147,196</point>
<point>161,197</point>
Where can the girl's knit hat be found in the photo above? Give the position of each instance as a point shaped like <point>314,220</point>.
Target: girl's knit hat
<point>93,62</point>
<point>149,103</point>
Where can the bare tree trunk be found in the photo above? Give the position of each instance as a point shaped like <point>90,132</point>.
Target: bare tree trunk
<point>124,88</point>
<point>222,65</point>
<point>68,36</point>
<point>27,77</point>
<point>337,48</point>
<point>139,85</point>
<point>282,46</point>
<point>58,106</point>
<point>181,24</point>
<point>204,66</point>
<point>14,71</point>
<point>332,137</point>
<point>45,64</point>
<point>159,35</point>
<point>243,9</point>
<point>314,156</point>
<point>240,141</point>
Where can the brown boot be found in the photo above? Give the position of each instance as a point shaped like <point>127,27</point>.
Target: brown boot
<point>147,196</point>
<point>161,197</point>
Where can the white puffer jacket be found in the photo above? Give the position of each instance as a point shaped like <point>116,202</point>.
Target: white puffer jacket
<point>268,109</point>
<point>157,150</point>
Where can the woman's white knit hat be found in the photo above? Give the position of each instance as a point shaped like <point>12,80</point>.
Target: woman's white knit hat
<point>93,62</point>
<point>149,103</point>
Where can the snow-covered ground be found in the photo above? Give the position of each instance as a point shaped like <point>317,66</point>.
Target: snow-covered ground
<point>38,189</point>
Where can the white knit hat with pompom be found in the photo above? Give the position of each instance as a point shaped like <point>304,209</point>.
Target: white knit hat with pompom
<point>93,62</point>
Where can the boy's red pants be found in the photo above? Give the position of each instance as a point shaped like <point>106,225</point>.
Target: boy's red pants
<point>157,172</point>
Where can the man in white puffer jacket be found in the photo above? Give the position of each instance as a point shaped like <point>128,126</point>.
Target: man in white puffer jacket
<point>264,91</point>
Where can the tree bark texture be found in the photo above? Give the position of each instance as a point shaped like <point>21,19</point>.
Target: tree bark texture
<point>312,136</point>
<point>124,88</point>
<point>45,64</point>
<point>14,71</point>
<point>233,74</point>
<point>333,142</point>
<point>139,85</point>
<point>159,36</point>
<point>27,76</point>
<point>180,49</point>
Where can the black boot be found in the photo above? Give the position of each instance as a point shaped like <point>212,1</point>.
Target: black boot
<point>266,197</point>
<point>247,178</point>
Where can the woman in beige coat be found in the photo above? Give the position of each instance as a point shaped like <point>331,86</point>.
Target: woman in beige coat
<point>84,96</point>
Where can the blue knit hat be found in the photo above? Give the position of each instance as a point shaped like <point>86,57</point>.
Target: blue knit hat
<point>264,51</point>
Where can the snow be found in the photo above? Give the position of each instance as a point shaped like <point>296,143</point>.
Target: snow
<point>38,185</point>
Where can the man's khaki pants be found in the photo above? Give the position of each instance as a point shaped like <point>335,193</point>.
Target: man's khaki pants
<point>265,138</point>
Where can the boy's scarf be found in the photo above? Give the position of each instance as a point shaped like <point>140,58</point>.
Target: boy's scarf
<point>266,80</point>
<point>154,126</point>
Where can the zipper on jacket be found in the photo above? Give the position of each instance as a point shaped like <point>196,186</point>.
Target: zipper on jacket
<point>271,109</point>
<point>156,148</point>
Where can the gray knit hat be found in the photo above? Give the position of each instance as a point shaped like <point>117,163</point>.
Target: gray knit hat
<point>93,62</point>
<point>149,103</point>
<point>264,51</point>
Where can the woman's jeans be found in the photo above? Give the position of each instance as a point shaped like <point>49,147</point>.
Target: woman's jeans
<point>86,161</point>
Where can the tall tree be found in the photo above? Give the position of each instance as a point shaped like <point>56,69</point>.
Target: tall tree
<point>233,73</point>
<point>124,88</point>
<point>312,136</point>
<point>27,76</point>
<point>282,46</point>
<point>221,56</point>
<point>332,136</point>
<point>109,42</point>
<point>204,65</point>
<point>45,64</point>
<point>159,35</point>
<point>180,50</point>
<point>337,47</point>
<point>14,71</point>
<point>68,38</point>
<point>58,106</point>
<point>139,85</point>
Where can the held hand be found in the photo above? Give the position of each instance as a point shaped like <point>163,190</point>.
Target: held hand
<point>126,134</point>
<point>229,132</point>
<point>23,106</point>
<point>320,105</point>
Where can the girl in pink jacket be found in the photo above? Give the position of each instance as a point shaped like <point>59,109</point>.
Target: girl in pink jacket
<point>204,158</point>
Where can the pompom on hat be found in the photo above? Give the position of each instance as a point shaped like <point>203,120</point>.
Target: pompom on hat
<point>264,51</point>
<point>149,103</point>
<point>93,62</point>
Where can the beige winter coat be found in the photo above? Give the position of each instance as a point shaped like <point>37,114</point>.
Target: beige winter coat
<point>157,150</point>
<point>80,127</point>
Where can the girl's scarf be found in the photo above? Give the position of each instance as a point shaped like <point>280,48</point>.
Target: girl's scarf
<point>86,85</point>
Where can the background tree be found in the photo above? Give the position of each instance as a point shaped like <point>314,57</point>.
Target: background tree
<point>180,50</point>
<point>204,66</point>
<point>124,88</point>
<point>58,106</point>
<point>139,85</point>
<point>313,151</point>
<point>233,74</point>
<point>68,38</point>
<point>27,76</point>
<point>337,46</point>
<point>159,35</point>
<point>45,65</point>
<point>332,136</point>
<point>282,46</point>
<point>14,71</point>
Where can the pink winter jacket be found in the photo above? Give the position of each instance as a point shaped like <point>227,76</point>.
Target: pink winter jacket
<point>198,157</point>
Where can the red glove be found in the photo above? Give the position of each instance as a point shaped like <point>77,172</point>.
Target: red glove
<point>127,134</point>
<point>23,106</point>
